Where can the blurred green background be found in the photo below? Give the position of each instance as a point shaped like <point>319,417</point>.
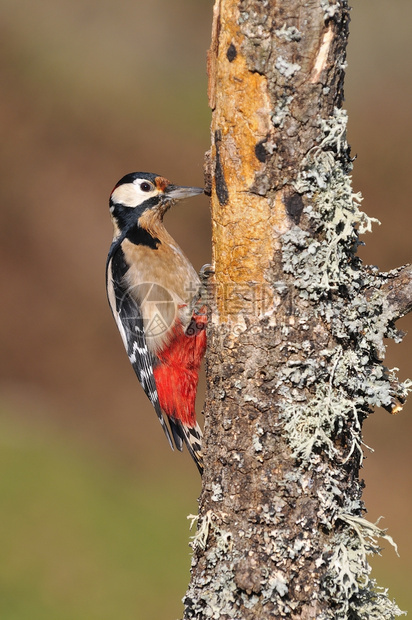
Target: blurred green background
<point>93,504</point>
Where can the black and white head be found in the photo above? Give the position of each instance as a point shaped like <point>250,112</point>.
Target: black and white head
<point>138,192</point>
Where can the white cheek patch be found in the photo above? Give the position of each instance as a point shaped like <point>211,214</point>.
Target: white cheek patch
<point>130,194</point>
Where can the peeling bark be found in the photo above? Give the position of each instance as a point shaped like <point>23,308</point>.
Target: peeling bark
<point>295,337</point>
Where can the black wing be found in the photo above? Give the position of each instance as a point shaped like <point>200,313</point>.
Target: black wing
<point>129,320</point>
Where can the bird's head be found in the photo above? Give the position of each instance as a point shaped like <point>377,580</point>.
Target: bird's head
<point>139,192</point>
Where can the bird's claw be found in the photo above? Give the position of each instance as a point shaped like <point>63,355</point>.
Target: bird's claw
<point>205,272</point>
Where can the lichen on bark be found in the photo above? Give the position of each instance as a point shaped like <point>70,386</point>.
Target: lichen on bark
<point>296,331</point>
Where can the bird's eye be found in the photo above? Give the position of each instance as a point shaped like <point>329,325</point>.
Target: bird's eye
<point>145,187</point>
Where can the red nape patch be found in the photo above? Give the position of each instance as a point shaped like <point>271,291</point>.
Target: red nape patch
<point>161,183</point>
<point>178,372</point>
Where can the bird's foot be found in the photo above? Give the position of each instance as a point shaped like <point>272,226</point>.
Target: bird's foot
<point>205,272</point>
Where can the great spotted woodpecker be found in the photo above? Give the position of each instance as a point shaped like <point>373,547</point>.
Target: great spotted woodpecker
<point>154,295</point>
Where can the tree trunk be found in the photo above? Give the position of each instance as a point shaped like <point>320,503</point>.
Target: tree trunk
<point>295,336</point>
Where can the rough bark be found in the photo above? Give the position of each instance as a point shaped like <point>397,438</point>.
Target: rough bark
<point>296,328</point>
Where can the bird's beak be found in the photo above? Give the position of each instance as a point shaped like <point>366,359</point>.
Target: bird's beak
<point>176,192</point>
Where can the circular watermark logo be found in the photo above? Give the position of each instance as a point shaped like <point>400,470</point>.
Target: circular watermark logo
<point>157,305</point>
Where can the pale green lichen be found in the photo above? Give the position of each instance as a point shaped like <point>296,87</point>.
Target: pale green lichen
<point>290,33</point>
<point>329,10</point>
<point>217,492</point>
<point>257,444</point>
<point>286,68</point>
<point>348,580</point>
<point>275,584</point>
<point>219,597</point>
<point>281,110</point>
<point>206,525</point>
<point>312,427</point>
<point>319,263</point>
<point>348,380</point>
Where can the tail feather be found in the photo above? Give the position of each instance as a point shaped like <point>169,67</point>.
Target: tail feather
<point>175,427</point>
<point>193,440</point>
<point>192,436</point>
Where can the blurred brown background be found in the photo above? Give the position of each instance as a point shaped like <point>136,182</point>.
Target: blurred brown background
<point>92,90</point>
